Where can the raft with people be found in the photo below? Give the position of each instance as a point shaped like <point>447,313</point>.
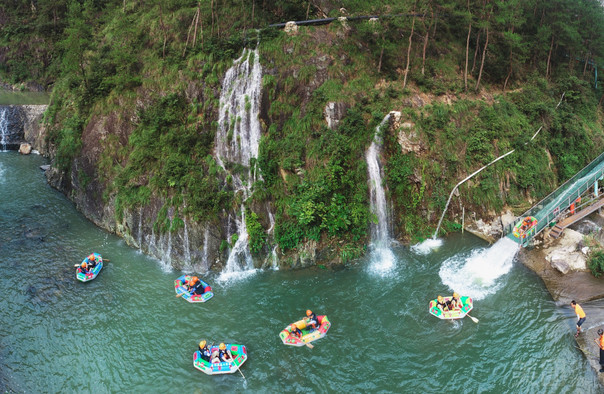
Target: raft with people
<point>301,333</point>
<point>183,284</point>
<point>456,312</point>
<point>86,274</point>
<point>524,228</point>
<point>238,353</point>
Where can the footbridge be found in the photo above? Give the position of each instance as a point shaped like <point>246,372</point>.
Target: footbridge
<point>575,199</point>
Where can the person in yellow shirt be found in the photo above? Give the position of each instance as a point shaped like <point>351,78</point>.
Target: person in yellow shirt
<point>580,315</point>
<point>600,343</point>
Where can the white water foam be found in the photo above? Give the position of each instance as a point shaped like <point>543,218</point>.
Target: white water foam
<point>424,248</point>
<point>476,274</point>
<point>227,277</point>
<point>383,262</point>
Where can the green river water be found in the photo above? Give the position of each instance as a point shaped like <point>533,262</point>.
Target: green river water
<point>127,332</point>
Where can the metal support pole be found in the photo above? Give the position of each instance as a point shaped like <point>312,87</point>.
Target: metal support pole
<point>463,216</point>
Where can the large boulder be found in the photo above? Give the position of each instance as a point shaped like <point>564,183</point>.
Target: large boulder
<point>568,255</point>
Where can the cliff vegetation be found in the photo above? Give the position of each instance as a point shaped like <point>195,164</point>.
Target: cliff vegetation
<point>135,98</point>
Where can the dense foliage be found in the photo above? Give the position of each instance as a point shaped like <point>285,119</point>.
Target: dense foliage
<point>474,79</point>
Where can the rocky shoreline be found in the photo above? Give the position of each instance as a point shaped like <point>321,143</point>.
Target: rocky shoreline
<point>562,265</point>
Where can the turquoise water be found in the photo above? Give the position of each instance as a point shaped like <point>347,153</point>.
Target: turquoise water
<point>127,332</point>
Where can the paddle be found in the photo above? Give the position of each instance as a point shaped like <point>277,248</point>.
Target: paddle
<point>309,345</point>
<point>475,320</point>
<point>241,373</point>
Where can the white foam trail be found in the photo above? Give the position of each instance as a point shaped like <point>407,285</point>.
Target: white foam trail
<point>476,274</point>
<point>424,248</point>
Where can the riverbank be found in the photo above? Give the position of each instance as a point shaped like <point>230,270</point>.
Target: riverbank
<point>550,258</point>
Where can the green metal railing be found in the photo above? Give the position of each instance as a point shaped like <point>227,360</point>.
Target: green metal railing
<point>556,204</point>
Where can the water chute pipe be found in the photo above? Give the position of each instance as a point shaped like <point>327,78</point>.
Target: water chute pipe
<point>482,168</point>
<point>325,21</point>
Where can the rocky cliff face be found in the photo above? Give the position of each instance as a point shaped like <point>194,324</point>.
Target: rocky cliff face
<point>20,123</point>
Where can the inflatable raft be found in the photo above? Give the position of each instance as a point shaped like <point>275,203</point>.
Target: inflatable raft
<point>238,352</point>
<point>308,334</point>
<point>454,314</point>
<point>181,289</point>
<point>526,227</point>
<point>90,275</point>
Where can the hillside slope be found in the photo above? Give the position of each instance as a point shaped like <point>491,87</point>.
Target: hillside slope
<point>136,99</point>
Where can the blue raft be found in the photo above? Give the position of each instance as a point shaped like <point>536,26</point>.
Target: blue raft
<point>90,275</point>
<point>181,289</point>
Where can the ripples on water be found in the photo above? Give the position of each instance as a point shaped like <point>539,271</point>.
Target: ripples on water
<point>127,332</point>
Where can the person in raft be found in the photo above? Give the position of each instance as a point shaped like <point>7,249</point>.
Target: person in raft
<point>84,267</point>
<point>600,342</point>
<point>440,303</point>
<point>295,330</point>
<point>195,286</point>
<point>454,302</point>
<point>580,315</point>
<point>311,319</point>
<point>222,354</point>
<point>525,224</point>
<point>205,352</point>
<point>91,261</point>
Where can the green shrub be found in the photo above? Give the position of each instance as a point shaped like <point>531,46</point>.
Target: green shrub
<point>596,263</point>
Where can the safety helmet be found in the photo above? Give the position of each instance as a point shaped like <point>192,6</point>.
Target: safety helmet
<point>293,327</point>
<point>83,265</point>
<point>222,346</point>
<point>440,298</point>
<point>600,331</point>
<point>308,312</point>
<point>455,294</point>
<point>91,257</point>
<point>202,344</point>
<point>194,279</point>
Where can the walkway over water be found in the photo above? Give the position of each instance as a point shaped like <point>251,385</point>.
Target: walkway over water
<point>570,198</point>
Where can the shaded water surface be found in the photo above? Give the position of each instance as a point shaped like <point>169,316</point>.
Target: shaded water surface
<point>127,332</point>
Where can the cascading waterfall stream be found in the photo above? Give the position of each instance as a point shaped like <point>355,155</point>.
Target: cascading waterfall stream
<point>237,142</point>
<point>3,128</point>
<point>382,257</point>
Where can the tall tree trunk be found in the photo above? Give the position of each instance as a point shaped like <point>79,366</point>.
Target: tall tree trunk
<point>212,10</point>
<point>380,62</point>
<point>253,8</point>
<point>424,53</point>
<point>163,29</point>
<point>409,49</point>
<point>484,55</point>
<point>476,52</point>
<point>549,57</point>
<point>505,84</point>
<point>586,60</point>
<point>465,74</point>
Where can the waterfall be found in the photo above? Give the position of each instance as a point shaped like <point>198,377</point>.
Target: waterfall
<point>186,244</point>
<point>3,128</point>
<point>237,141</point>
<point>12,120</point>
<point>204,253</point>
<point>382,256</point>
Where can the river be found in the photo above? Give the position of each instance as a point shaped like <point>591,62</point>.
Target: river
<point>127,332</point>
